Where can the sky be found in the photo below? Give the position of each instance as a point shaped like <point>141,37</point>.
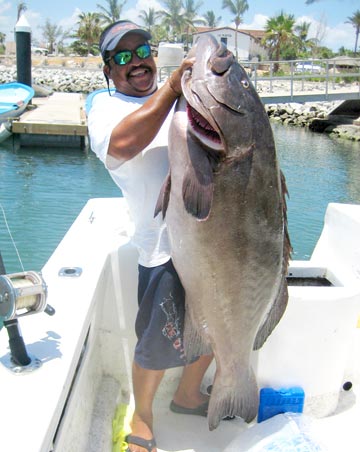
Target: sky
<point>328,17</point>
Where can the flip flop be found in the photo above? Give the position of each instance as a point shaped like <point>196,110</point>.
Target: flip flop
<point>200,410</point>
<point>147,444</point>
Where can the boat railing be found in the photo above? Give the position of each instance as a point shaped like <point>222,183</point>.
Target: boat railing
<point>327,74</point>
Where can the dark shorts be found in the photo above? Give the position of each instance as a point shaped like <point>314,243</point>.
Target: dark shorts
<point>160,321</point>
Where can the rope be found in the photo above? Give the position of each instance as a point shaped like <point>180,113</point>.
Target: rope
<point>11,237</point>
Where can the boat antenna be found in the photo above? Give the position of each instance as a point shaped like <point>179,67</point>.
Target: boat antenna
<point>11,237</point>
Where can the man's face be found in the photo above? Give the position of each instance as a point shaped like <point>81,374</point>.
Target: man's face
<point>137,78</point>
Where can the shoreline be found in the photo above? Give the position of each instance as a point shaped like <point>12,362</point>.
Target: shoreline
<point>313,116</point>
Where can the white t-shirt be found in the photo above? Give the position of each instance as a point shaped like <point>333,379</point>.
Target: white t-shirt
<point>140,178</point>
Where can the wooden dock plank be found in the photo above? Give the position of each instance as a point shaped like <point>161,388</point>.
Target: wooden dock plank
<point>59,114</point>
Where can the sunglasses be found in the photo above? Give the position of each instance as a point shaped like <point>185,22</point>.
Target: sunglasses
<point>125,56</point>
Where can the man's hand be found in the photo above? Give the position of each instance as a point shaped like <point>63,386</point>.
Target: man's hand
<point>175,79</point>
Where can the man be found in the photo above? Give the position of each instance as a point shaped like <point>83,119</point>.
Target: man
<point>128,132</point>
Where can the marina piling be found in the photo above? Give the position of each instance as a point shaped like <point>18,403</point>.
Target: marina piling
<point>23,51</point>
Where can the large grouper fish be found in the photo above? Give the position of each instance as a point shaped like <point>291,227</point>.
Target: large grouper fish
<point>224,203</point>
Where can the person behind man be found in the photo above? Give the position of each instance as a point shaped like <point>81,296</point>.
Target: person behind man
<point>128,132</point>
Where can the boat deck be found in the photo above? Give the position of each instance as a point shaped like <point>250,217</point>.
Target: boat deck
<point>86,351</point>
<point>285,432</point>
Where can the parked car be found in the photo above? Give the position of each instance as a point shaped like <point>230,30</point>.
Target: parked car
<point>39,51</point>
<point>308,66</point>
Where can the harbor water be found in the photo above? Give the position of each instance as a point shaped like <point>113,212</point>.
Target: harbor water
<point>43,190</point>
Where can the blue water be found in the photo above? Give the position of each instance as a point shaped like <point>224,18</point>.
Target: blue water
<point>43,190</point>
<point>318,170</point>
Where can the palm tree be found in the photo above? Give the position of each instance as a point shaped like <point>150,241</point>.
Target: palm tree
<point>21,8</point>
<point>278,34</point>
<point>211,20</point>
<point>113,13</point>
<point>302,31</point>
<point>355,21</point>
<point>191,13</point>
<point>149,17</point>
<point>236,7</point>
<point>174,18</point>
<point>89,29</point>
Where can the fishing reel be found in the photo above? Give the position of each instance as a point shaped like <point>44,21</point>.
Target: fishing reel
<point>21,294</point>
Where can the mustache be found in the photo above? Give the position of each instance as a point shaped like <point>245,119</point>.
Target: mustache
<point>145,67</point>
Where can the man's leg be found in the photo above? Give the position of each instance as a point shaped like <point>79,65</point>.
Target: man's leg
<point>145,383</point>
<point>188,393</point>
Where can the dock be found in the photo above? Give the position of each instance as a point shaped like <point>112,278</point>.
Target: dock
<point>56,120</point>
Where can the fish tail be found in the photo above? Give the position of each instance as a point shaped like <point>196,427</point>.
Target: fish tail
<point>240,399</point>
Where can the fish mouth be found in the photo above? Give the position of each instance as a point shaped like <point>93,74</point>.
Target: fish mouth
<point>201,128</point>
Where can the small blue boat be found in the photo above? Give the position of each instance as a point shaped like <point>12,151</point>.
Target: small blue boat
<point>14,98</point>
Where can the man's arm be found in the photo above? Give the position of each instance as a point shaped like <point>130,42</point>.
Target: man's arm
<point>139,128</point>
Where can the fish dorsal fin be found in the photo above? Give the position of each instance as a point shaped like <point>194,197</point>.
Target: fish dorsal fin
<point>198,183</point>
<point>164,196</point>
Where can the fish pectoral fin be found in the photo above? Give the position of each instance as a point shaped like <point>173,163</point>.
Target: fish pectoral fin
<point>273,317</point>
<point>164,196</point>
<point>194,341</point>
<point>198,183</point>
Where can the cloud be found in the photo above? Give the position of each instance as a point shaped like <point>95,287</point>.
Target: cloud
<point>6,21</point>
<point>340,35</point>
<point>4,6</point>
<point>334,37</point>
<point>258,23</point>
<point>68,23</point>
<point>141,5</point>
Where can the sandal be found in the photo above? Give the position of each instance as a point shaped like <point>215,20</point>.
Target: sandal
<point>200,410</point>
<point>147,444</point>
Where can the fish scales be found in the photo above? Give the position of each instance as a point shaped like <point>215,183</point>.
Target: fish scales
<point>224,203</point>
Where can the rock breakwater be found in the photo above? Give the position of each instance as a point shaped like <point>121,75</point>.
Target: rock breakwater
<point>60,80</point>
<point>315,116</point>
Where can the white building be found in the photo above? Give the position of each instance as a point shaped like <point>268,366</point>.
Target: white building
<point>248,41</point>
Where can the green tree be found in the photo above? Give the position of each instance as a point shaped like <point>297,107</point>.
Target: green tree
<point>237,8</point>
<point>343,51</point>
<point>174,19</point>
<point>304,44</point>
<point>88,32</point>
<point>211,20</point>
<point>2,42</point>
<point>191,14</point>
<point>279,34</point>
<point>21,8</point>
<point>354,20</point>
<point>150,18</point>
<point>52,34</point>
<point>112,13</point>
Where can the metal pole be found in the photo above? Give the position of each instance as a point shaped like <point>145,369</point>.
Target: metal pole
<point>23,51</point>
<point>17,347</point>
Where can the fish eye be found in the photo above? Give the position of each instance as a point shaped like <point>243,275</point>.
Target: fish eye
<point>245,83</point>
